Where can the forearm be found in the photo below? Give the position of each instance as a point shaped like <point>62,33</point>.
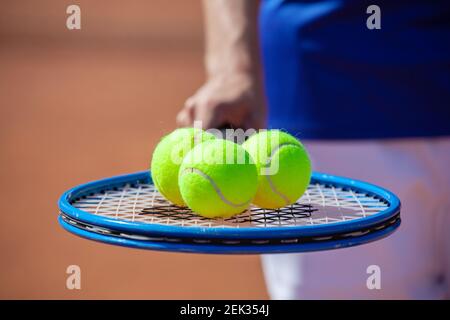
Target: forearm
<point>231,34</point>
<point>232,94</point>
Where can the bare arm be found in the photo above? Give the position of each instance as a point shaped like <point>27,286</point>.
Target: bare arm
<point>233,91</point>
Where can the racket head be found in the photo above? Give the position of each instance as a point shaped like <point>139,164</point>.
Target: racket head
<point>370,205</point>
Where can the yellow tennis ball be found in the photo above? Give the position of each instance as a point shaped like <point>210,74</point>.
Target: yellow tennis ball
<point>284,168</point>
<point>218,179</point>
<point>167,159</point>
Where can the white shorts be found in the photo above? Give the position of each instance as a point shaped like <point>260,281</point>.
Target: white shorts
<point>414,261</point>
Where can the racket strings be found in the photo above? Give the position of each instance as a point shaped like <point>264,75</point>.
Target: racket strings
<point>321,204</point>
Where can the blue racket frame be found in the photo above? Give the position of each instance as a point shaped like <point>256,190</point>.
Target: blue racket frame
<point>227,233</point>
<point>231,249</point>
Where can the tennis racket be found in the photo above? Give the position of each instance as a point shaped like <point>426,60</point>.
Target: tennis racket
<point>334,212</point>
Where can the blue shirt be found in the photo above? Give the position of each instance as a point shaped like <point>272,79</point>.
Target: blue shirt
<point>328,76</point>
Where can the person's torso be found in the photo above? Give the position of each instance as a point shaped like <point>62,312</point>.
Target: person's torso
<point>329,76</point>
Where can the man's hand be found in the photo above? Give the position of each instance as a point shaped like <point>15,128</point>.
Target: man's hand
<point>233,94</point>
<point>235,100</point>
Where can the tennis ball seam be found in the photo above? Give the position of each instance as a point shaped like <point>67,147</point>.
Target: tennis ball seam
<point>269,163</point>
<point>215,186</point>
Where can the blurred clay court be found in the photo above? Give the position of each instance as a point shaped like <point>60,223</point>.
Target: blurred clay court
<point>79,105</point>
